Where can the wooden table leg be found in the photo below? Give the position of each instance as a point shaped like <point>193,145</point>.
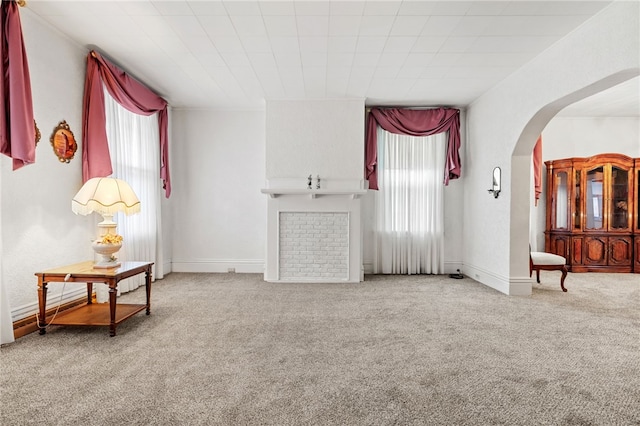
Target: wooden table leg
<point>148,289</point>
<point>42,304</point>
<point>89,293</point>
<point>113,290</point>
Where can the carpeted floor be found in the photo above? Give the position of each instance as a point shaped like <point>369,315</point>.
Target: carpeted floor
<point>230,349</point>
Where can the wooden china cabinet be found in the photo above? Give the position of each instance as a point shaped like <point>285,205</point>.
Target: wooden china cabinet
<point>592,212</point>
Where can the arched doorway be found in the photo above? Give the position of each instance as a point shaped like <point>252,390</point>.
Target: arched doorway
<point>521,179</point>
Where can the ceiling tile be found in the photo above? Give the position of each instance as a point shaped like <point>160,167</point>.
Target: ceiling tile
<point>376,25</point>
<point>502,44</point>
<point>237,52</point>
<point>279,26</point>
<point>211,60</point>
<point>288,60</point>
<point>366,60</point>
<point>533,25</point>
<point>233,59</point>
<point>419,60</point>
<point>242,8</point>
<point>313,44</point>
<point>408,25</point>
<point>186,26</point>
<point>262,60</point>
<point>177,7</point>
<point>473,25</point>
<point>198,45</point>
<point>313,25</point>
<point>392,59</point>
<point>457,44</point>
<point>440,25</point>
<point>318,8</point>
<point>490,59</point>
<point>285,44</point>
<point>409,72</point>
<point>249,25</point>
<point>428,44</point>
<point>342,44</point>
<point>313,60</point>
<point>138,8</point>
<point>340,60</point>
<point>153,25</point>
<point>347,7</point>
<point>389,8</point>
<point>344,25</point>
<point>277,8</point>
<point>228,44</point>
<point>371,44</point>
<point>209,7</point>
<point>399,44</point>
<point>487,8</point>
<point>256,44</point>
<point>217,25</point>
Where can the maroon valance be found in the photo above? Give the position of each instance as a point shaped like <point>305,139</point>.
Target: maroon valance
<point>537,169</point>
<point>413,122</point>
<point>132,95</point>
<point>17,128</point>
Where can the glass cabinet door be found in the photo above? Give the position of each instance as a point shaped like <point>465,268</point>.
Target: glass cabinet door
<point>594,211</point>
<point>576,202</point>
<point>619,206</point>
<point>561,201</point>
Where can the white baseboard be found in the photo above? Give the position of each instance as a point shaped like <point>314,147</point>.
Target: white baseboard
<point>219,266</point>
<point>519,286</point>
<point>53,300</point>
<point>450,267</point>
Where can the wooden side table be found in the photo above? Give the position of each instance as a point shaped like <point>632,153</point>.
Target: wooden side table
<point>90,313</point>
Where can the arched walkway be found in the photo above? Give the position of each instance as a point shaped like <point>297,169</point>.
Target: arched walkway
<point>521,179</point>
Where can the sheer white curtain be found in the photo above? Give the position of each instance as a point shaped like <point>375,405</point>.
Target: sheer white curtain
<point>135,156</point>
<point>409,229</point>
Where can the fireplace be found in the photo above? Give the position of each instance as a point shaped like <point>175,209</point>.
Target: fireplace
<point>314,235</point>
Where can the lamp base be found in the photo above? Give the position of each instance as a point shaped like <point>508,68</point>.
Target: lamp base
<point>106,265</point>
<point>106,255</point>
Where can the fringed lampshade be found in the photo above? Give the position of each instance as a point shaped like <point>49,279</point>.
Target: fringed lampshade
<point>106,196</point>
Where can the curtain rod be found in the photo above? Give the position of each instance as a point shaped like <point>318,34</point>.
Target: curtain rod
<point>369,108</point>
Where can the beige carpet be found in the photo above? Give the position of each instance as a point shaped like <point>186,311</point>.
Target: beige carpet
<point>230,349</point>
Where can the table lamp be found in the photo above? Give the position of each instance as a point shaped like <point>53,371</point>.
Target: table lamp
<point>106,196</point>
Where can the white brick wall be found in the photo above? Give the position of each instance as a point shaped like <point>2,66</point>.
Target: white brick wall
<point>313,246</point>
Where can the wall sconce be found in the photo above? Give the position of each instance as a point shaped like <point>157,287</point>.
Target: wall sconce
<point>495,189</point>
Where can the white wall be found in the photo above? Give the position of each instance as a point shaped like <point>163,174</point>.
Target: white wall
<point>321,137</point>
<point>566,137</point>
<point>39,231</point>
<point>218,169</point>
<point>503,126</point>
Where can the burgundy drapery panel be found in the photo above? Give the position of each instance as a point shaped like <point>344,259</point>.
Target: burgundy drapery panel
<point>413,122</point>
<point>537,169</point>
<point>17,128</point>
<point>132,95</point>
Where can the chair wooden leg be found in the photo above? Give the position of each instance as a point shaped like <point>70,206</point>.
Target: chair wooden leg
<point>538,275</point>
<point>564,275</point>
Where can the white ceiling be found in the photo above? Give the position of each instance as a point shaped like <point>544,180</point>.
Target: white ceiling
<point>236,53</point>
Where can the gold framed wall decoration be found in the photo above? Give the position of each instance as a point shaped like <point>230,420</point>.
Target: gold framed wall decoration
<point>63,142</point>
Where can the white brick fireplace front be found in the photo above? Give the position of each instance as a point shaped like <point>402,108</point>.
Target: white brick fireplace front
<point>314,235</point>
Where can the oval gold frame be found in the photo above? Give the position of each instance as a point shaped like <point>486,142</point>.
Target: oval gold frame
<point>63,142</point>
<point>38,135</point>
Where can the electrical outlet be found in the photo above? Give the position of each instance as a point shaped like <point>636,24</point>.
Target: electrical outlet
<point>231,270</point>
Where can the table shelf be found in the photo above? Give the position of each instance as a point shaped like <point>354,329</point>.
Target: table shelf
<point>96,314</point>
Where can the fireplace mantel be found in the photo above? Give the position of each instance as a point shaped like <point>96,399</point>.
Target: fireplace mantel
<point>314,235</point>
<point>314,193</point>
